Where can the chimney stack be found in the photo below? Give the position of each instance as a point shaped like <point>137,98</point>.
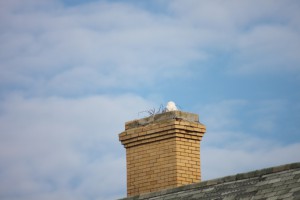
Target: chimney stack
<point>162,151</point>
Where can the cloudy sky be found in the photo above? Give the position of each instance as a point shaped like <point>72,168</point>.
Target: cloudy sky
<point>72,72</point>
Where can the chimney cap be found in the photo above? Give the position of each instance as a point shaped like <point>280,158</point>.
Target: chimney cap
<point>191,117</point>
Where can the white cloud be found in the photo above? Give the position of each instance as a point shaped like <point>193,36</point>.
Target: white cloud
<point>109,44</point>
<point>234,145</point>
<point>261,36</point>
<point>64,148</point>
<point>218,162</point>
<point>221,114</point>
<point>273,47</point>
<point>267,114</point>
<point>44,42</point>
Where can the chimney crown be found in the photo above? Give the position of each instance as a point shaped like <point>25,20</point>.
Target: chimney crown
<point>179,115</point>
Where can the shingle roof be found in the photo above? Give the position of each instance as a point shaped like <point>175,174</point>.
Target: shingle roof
<point>281,182</point>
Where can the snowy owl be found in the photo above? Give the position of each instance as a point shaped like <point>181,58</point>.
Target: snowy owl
<point>171,106</point>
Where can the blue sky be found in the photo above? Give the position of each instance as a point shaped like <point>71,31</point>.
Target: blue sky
<point>73,72</point>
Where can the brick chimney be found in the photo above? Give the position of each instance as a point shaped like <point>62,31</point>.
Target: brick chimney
<point>162,151</point>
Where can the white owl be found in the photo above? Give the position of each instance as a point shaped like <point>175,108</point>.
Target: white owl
<point>171,106</point>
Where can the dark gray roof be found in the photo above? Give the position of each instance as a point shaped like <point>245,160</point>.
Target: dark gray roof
<point>281,182</point>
